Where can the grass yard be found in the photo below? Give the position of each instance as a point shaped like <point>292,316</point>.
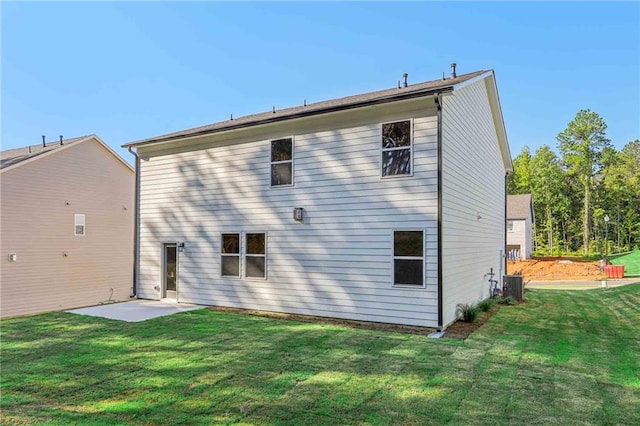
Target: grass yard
<point>564,357</point>
<point>631,262</point>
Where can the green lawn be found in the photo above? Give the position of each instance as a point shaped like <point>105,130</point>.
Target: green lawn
<point>631,262</point>
<point>563,357</point>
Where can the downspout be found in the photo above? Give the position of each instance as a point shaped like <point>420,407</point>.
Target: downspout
<point>136,211</point>
<point>438,102</point>
<point>503,261</point>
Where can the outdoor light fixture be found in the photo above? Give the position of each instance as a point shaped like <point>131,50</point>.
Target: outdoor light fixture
<point>298,214</point>
<point>180,247</point>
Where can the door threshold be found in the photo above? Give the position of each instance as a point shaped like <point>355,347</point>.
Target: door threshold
<point>169,300</point>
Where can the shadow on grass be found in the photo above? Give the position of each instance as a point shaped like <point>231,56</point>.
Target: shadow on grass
<point>563,355</point>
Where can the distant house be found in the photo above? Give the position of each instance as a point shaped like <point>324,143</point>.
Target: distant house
<point>67,217</point>
<point>520,219</point>
<point>387,206</point>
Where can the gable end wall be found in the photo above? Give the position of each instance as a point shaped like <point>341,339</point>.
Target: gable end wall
<point>38,201</point>
<point>473,176</point>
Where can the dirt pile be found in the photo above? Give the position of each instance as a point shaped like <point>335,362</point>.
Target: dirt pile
<point>555,268</point>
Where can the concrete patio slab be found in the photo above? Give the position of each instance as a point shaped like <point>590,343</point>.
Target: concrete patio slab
<point>136,310</point>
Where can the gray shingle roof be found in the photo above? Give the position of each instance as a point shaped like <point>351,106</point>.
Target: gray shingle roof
<point>18,155</point>
<point>388,95</point>
<point>519,206</point>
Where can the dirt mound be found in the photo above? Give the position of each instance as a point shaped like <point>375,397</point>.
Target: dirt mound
<point>555,268</point>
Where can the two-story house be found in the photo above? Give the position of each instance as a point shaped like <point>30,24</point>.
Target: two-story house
<point>67,220</point>
<point>520,221</point>
<point>387,206</point>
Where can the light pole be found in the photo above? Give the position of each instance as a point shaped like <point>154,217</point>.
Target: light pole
<point>606,237</point>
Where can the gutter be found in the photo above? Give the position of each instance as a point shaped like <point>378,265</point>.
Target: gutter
<point>136,231</point>
<point>302,114</point>
<point>438,102</point>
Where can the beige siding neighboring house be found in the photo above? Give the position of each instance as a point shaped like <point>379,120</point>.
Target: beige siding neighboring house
<point>218,206</point>
<point>520,219</point>
<point>67,217</point>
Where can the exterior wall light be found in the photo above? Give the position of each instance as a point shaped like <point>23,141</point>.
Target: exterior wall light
<point>298,214</point>
<point>181,247</point>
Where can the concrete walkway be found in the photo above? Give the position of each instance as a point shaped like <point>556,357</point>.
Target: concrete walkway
<point>136,310</point>
<point>580,285</point>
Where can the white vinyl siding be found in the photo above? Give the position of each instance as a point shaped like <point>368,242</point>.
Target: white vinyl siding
<point>473,198</point>
<point>522,236</point>
<point>339,261</point>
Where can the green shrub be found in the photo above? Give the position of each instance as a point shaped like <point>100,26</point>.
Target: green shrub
<point>486,304</point>
<point>510,300</point>
<point>468,312</point>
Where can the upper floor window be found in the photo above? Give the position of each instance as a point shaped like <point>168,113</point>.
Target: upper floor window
<point>282,162</point>
<point>78,224</point>
<point>510,225</point>
<point>397,148</point>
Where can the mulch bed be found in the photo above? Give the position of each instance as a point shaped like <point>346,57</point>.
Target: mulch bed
<point>457,330</point>
<point>462,330</point>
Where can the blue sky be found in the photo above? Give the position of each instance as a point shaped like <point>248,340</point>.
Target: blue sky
<point>127,71</point>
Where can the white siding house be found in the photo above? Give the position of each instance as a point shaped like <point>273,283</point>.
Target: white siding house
<point>67,219</point>
<point>376,180</point>
<point>520,219</point>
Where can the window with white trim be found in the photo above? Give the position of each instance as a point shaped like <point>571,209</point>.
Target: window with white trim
<point>255,255</point>
<point>79,227</point>
<point>397,149</point>
<point>282,162</point>
<point>408,258</point>
<point>230,255</point>
<point>509,225</point>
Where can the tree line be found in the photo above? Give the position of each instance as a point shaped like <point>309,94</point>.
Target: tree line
<point>586,198</point>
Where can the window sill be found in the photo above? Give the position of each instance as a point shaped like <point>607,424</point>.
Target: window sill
<point>409,286</point>
<point>397,176</point>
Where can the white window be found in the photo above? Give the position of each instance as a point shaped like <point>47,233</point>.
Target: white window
<point>282,162</point>
<point>244,252</point>
<point>230,255</point>
<point>78,224</point>
<point>397,149</point>
<point>510,225</point>
<point>408,258</point>
<point>255,255</point>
